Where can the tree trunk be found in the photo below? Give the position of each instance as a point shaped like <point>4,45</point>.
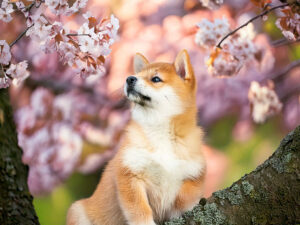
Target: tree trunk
<point>268,195</point>
<point>16,206</point>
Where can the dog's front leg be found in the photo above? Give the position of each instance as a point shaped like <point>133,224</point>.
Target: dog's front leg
<point>189,195</point>
<point>133,199</point>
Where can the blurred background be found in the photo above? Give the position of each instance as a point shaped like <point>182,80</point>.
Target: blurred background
<point>68,127</point>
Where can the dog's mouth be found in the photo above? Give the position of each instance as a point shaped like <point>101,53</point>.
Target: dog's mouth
<point>139,98</point>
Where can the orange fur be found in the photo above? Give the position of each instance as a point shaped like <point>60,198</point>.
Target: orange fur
<point>159,170</point>
<point>190,191</point>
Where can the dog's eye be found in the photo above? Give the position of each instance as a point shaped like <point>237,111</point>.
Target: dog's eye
<point>156,79</point>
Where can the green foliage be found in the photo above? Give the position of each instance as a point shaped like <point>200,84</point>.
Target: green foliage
<point>57,203</point>
<point>244,156</point>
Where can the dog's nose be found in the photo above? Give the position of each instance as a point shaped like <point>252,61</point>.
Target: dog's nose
<point>131,80</point>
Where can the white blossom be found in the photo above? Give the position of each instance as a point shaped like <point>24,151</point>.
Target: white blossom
<point>225,65</point>
<point>236,49</point>
<point>40,31</point>
<point>18,72</point>
<point>5,11</point>
<point>5,55</point>
<point>211,4</point>
<point>41,101</point>
<point>289,35</point>
<point>61,7</point>
<point>210,33</point>
<point>264,101</point>
<point>4,81</point>
<point>289,24</point>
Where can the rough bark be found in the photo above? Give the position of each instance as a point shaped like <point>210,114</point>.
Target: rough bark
<point>15,200</point>
<point>268,195</point>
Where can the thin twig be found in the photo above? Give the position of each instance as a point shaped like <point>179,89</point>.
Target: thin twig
<point>78,35</point>
<point>250,21</point>
<point>2,70</point>
<point>285,70</point>
<point>289,93</point>
<point>20,36</point>
<point>28,8</point>
<point>283,41</point>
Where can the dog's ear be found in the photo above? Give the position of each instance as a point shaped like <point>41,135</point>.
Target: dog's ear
<point>139,62</point>
<point>184,68</point>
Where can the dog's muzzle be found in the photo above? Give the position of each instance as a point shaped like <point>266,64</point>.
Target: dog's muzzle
<point>131,80</point>
<point>130,89</point>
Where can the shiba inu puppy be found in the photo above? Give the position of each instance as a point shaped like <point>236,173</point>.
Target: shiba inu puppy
<point>158,172</point>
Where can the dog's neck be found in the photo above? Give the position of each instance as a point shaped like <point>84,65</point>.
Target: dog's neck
<point>165,122</point>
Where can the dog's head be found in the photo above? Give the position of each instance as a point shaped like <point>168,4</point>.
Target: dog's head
<point>163,88</point>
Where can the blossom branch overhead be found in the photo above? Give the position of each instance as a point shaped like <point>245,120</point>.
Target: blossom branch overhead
<point>233,50</point>
<point>261,15</point>
<point>84,50</point>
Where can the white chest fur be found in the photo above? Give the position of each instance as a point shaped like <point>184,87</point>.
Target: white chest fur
<point>161,167</point>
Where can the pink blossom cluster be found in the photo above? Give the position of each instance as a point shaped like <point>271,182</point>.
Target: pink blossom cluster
<point>84,50</point>
<point>209,33</point>
<point>51,146</point>
<point>14,73</point>
<point>289,23</point>
<point>5,55</point>
<point>62,7</point>
<point>5,11</point>
<point>264,102</point>
<point>236,51</point>
<point>211,4</point>
<point>55,130</point>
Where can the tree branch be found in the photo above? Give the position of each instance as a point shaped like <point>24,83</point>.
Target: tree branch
<point>283,41</point>
<point>250,21</point>
<point>20,36</point>
<point>268,195</point>
<point>277,76</point>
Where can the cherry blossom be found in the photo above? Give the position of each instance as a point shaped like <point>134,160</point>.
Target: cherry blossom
<point>5,11</point>
<point>49,143</point>
<point>237,50</point>
<point>209,33</point>
<point>211,4</point>
<point>61,7</point>
<point>4,81</point>
<point>264,101</point>
<point>18,72</point>
<point>5,55</point>
<point>85,50</point>
<point>289,23</point>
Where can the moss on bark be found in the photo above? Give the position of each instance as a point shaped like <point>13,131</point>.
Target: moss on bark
<point>15,200</point>
<point>268,195</point>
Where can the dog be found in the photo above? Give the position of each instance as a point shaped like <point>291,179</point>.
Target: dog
<point>158,172</point>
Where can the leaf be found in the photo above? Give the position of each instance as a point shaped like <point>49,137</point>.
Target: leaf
<point>58,38</point>
<point>261,3</point>
<point>101,59</point>
<point>213,56</point>
<point>92,22</point>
